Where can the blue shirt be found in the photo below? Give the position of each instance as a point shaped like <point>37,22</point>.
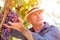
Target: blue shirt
<point>48,32</point>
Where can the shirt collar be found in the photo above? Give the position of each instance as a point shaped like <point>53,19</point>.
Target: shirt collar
<point>46,25</point>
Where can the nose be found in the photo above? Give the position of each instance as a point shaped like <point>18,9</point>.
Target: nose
<point>39,17</point>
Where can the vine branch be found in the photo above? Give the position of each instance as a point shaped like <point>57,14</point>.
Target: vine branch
<point>5,11</point>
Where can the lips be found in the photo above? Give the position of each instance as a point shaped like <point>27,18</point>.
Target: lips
<point>39,19</point>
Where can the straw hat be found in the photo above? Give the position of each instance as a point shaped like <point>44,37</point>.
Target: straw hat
<point>33,11</point>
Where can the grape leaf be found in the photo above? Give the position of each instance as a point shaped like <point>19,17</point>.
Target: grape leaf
<point>19,2</point>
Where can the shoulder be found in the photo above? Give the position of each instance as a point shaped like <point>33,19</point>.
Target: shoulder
<point>53,30</point>
<point>52,27</point>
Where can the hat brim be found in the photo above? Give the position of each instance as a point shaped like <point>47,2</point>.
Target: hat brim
<point>33,12</point>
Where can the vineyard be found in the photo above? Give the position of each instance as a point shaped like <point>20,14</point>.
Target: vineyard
<point>12,9</point>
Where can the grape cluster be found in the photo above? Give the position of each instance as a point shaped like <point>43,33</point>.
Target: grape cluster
<point>13,17</point>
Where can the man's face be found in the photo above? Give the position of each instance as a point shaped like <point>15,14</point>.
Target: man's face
<point>36,18</point>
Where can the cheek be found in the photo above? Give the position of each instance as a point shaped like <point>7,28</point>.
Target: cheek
<point>33,19</point>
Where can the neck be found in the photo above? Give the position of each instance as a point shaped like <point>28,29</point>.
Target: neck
<point>37,27</point>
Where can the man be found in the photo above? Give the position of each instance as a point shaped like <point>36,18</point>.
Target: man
<point>40,30</point>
